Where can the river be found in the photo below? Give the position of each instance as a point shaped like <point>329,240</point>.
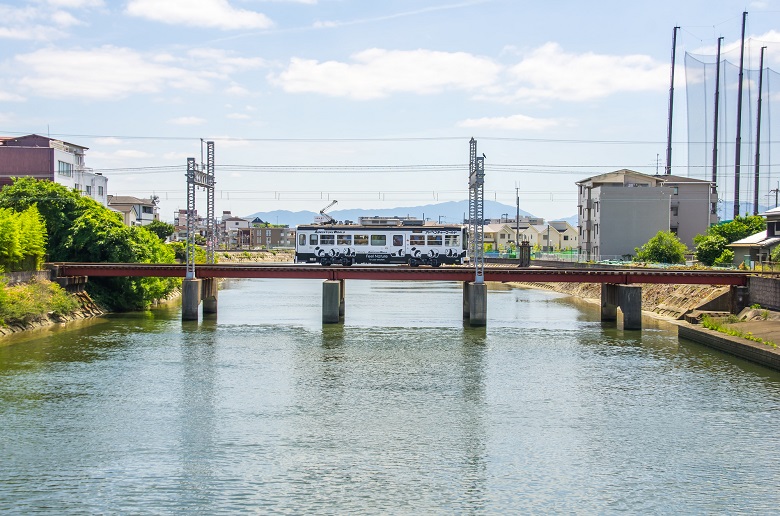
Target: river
<point>400,410</point>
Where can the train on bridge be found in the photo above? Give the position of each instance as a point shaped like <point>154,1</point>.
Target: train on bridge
<point>387,241</point>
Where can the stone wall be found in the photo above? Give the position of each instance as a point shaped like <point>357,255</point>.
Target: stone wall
<point>14,278</point>
<point>765,292</point>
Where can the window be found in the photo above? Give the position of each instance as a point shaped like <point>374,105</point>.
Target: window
<point>65,169</point>
<point>434,239</point>
<point>312,239</point>
<point>675,191</point>
<point>417,240</point>
<point>344,240</point>
<point>77,187</point>
<point>502,236</point>
<point>361,239</point>
<point>327,239</point>
<point>674,211</point>
<point>451,240</point>
<point>398,240</point>
<point>144,209</point>
<point>301,239</point>
<point>89,190</point>
<point>378,239</point>
<point>100,191</point>
<point>565,237</point>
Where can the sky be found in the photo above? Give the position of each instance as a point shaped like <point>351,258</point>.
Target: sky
<point>370,103</point>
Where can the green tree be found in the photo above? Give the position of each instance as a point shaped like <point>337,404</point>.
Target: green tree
<point>710,248</point>
<point>739,228</point>
<point>162,229</point>
<point>80,229</point>
<point>726,258</point>
<point>664,247</point>
<point>22,239</point>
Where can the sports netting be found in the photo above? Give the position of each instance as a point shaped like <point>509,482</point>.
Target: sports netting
<point>700,75</point>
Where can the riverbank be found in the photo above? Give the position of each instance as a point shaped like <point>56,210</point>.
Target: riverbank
<point>755,333</point>
<point>86,308</point>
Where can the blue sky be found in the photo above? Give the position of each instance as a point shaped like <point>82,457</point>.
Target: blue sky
<point>368,102</point>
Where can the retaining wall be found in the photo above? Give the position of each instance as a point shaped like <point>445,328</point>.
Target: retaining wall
<point>13,278</point>
<point>765,292</point>
<point>753,351</point>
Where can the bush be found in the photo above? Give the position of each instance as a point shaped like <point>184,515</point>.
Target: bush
<point>32,301</point>
<point>710,248</point>
<point>664,247</point>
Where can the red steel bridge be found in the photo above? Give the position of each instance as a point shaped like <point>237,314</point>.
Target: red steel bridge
<point>502,274</point>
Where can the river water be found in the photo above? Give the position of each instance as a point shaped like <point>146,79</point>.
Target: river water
<point>400,410</point>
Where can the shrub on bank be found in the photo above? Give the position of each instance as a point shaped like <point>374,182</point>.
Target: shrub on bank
<point>21,304</point>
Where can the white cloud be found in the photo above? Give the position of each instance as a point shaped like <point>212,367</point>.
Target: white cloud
<point>187,120</point>
<point>109,140</point>
<point>377,73</point>
<point>236,90</point>
<point>223,62</point>
<point>120,154</point>
<point>512,123</point>
<point>550,73</point>
<point>10,97</point>
<point>177,156</point>
<point>75,4</point>
<point>218,14</point>
<point>239,116</point>
<point>104,73</point>
<point>28,23</point>
<point>65,19</point>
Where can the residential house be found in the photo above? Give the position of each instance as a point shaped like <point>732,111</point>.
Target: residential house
<point>135,211</point>
<point>50,159</point>
<point>758,247</point>
<point>621,210</point>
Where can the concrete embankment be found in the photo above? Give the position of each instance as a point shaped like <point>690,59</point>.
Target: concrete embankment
<point>673,302</point>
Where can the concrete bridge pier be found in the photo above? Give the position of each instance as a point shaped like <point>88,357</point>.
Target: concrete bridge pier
<point>332,301</point>
<point>190,299</point>
<point>475,303</point>
<point>628,298</point>
<point>209,295</point>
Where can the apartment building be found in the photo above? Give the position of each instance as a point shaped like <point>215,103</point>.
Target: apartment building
<point>50,159</point>
<point>621,210</point>
<point>135,211</point>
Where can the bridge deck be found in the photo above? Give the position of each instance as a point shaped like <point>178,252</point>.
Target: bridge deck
<point>405,273</point>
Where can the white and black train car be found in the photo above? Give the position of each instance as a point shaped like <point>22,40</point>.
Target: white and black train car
<point>346,244</point>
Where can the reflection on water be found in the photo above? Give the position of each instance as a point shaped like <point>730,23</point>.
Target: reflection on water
<point>400,409</point>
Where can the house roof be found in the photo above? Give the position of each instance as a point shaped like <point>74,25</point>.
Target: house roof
<point>115,200</point>
<point>671,178</point>
<point>615,176</point>
<point>756,240</point>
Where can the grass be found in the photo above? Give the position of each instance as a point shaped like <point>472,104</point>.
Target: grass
<point>32,301</point>
<point>721,326</point>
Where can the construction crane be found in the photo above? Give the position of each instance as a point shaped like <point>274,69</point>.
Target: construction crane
<point>328,218</point>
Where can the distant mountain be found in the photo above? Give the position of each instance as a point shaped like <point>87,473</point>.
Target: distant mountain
<point>452,212</point>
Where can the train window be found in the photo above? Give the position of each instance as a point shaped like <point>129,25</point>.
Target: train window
<point>327,240</point>
<point>398,240</point>
<point>378,239</point>
<point>417,240</point>
<point>344,239</point>
<point>451,240</point>
<point>361,239</point>
<point>434,239</point>
<point>302,240</point>
<point>312,239</point>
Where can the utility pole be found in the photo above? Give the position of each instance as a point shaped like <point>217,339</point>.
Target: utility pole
<point>738,152</point>
<point>517,218</point>
<point>758,132</point>
<point>717,110</point>
<point>671,106</point>
<point>776,191</point>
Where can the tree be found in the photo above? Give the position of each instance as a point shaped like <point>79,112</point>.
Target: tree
<point>739,228</point>
<point>664,247</point>
<point>81,229</point>
<point>710,248</point>
<point>162,229</point>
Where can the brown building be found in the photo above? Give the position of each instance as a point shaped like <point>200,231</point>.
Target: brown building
<point>50,159</point>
